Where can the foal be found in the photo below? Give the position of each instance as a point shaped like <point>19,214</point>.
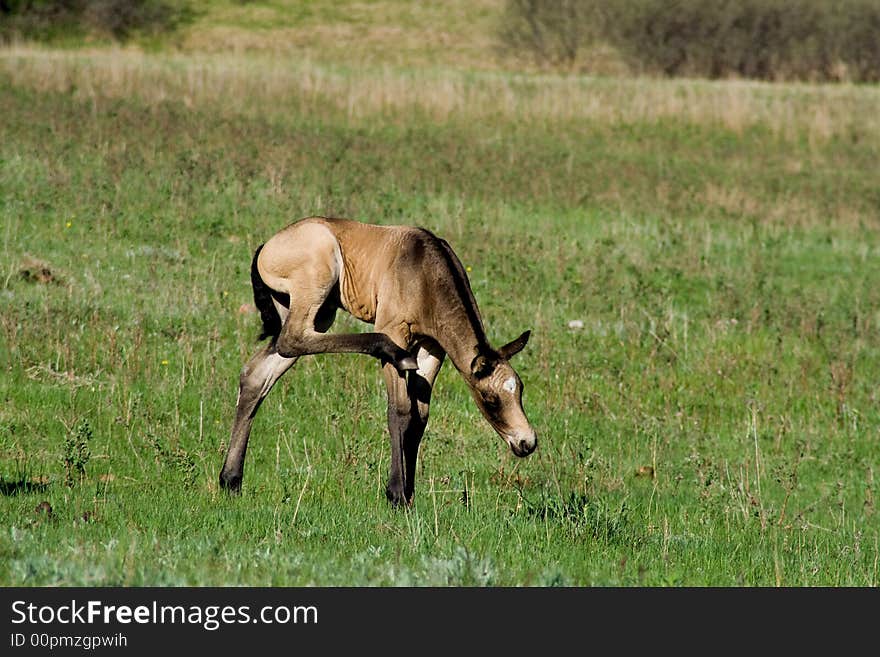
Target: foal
<point>411,285</point>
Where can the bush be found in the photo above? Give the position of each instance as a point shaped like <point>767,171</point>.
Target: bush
<point>764,39</point>
<point>119,19</point>
<point>547,32</point>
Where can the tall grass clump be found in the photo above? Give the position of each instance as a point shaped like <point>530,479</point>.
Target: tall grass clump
<point>808,40</point>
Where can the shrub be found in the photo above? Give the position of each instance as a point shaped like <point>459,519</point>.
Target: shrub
<point>122,18</point>
<point>763,39</point>
<point>547,32</point>
<point>119,19</point>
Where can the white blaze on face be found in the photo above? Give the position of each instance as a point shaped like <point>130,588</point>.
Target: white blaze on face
<point>509,385</point>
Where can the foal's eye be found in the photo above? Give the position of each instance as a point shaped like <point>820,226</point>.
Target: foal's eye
<point>490,400</point>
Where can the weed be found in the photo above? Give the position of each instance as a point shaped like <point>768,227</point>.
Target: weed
<point>77,453</point>
<point>174,459</point>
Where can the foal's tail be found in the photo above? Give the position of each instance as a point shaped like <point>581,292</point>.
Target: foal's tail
<point>263,302</point>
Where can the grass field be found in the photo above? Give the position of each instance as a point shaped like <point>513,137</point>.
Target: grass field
<point>712,420</point>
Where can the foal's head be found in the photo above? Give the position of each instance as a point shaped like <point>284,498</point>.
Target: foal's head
<point>497,389</point>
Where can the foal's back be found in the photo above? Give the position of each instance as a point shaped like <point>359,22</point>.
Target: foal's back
<point>369,264</point>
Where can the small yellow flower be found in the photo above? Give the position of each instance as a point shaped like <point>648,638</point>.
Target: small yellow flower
<point>68,224</point>
<point>468,268</point>
<point>164,361</point>
<point>225,294</point>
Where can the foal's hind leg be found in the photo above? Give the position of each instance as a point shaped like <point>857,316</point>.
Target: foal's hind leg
<point>299,338</point>
<point>257,378</point>
<point>305,263</point>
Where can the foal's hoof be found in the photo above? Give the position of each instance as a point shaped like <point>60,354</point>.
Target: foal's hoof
<point>400,358</point>
<point>407,363</point>
<point>397,498</point>
<point>230,483</point>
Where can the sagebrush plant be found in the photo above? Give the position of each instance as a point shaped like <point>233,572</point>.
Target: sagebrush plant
<point>174,461</point>
<point>77,452</point>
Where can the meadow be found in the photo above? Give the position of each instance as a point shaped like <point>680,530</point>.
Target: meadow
<point>698,263</point>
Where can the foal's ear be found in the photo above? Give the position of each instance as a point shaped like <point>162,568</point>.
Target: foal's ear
<point>512,348</point>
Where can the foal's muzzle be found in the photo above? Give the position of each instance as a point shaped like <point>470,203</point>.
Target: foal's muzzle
<point>522,444</point>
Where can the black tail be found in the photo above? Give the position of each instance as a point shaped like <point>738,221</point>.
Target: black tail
<point>263,302</point>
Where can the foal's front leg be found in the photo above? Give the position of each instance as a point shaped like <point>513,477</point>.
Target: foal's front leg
<point>409,400</point>
<point>399,420</point>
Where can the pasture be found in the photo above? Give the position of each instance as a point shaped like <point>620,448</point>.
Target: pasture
<point>698,262</point>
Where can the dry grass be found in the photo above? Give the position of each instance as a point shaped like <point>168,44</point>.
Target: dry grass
<point>395,32</point>
<point>271,84</point>
<point>376,45</point>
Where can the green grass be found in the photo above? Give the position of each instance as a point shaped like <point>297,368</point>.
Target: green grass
<point>726,277</point>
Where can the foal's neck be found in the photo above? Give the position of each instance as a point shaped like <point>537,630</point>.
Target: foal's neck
<point>461,336</point>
